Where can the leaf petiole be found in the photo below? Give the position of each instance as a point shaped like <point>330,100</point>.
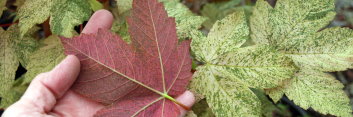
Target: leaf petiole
<point>165,95</point>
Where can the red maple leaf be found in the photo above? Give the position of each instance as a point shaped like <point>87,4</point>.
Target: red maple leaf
<point>137,79</point>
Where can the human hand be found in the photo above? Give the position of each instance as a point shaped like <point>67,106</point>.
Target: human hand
<point>49,94</point>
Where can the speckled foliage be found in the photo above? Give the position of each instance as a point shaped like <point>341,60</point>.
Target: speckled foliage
<point>44,58</point>
<point>296,28</point>
<point>185,20</point>
<point>64,15</point>
<point>2,6</point>
<point>14,50</point>
<point>229,70</point>
<point>8,64</point>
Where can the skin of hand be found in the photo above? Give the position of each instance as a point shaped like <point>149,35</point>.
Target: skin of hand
<point>49,95</point>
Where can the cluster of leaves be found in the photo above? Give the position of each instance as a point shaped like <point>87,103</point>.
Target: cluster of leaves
<point>35,56</point>
<point>64,14</point>
<point>20,44</point>
<point>290,53</point>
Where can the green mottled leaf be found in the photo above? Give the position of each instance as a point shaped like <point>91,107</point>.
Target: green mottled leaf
<point>290,19</point>
<point>33,12</point>
<point>292,27</point>
<point>226,97</point>
<point>327,50</point>
<point>258,67</point>
<point>13,50</point>
<point>23,46</point>
<point>259,22</point>
<point>217,11</point>
<point>185,20</point>
<point>2,6</point>
<point>226,35</point>
<point>8,64</point>
<point>124,5</point>
<point>298,31</point>
<point>46,57</point>
<point>230,71</point>
<point>64,15</point>
<point>13,94</point>
<point>120,27</point>
<point>95,5</point>
<point>320,91</point>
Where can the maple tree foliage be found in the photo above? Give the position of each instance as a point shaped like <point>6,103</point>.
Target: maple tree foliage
<point>137,79</point>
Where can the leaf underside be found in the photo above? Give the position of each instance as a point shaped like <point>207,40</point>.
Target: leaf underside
<point>132,79</point>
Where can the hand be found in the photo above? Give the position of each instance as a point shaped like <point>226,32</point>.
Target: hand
<point>49,93</point>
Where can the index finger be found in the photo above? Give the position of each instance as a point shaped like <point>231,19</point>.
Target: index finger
<point>100,19</point>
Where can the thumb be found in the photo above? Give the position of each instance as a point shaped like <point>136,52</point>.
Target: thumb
<point>46,88</point>
<point>187,99</point>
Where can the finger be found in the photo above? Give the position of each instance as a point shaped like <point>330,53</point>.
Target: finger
<point>100,19</point>
<point>187,99</point>
<point>47,87</point>
<point>63,76</point>
<point>74,105</point>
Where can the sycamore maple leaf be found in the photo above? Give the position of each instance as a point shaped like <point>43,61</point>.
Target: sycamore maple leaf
<point>64,15</point>
<point>137,79</point>
<point>298,31</point>
<point>231,70</point>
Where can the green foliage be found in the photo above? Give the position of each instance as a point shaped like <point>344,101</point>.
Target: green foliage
<point>217,11</point>
<point>95,5</point>
<point>49,53</point>
<point>2,6</point>
<point>185,20</point>
<point>124,5</point>
<point>23,46</point>
<point>13,93</point>
<point>317,90</point>
<point>64,15</point>
<point>8,64</point>
<point>36,57</point>
<point>296,30</point>
<point>230,71</point>
<point>14,50</point>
